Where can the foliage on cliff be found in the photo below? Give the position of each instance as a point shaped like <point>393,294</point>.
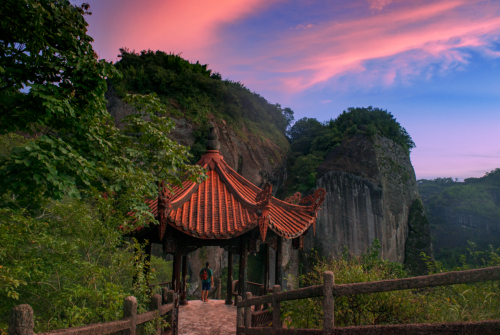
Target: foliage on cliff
<point>311,140</point>
<point>191,90</point>
<point>475,197</point>
<point>456,303</point>
<point>70,179</point>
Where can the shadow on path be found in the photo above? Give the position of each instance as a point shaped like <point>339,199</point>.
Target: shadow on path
<point>207,318</point>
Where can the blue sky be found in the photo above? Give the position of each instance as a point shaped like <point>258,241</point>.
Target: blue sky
<point>434,65</point>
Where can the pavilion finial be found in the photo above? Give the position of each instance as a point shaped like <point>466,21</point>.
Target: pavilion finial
<point>212,139</point>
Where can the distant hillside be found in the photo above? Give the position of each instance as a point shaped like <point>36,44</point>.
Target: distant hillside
<point>192,91</point>
<point>462,211</point>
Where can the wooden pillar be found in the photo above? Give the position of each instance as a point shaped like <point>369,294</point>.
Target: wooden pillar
<point>184,284</point>
<point>266,269</point>
<point>176,272</point>
<point>279,262</point>
<point>229,289</point>
<point>242,279</point>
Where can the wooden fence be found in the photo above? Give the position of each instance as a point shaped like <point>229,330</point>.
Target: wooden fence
<point>167,284</point>
<point>329,291</point>
<point>21,318</point>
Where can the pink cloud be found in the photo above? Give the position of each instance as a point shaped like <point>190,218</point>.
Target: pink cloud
<point>186,26</point>
<point>412,36</point>
<point>379,4</point>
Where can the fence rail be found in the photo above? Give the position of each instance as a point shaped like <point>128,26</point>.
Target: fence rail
<point>22,323</point>
<point>329,291</point>
<point>167,284</point>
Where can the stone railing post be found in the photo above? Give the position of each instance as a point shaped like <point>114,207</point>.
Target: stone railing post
<point>21,320</point>
<point>167,296</point>
<point>130,312</point>
<point>155,302</point>
<point>248,311</point>
<point>154,305</point>
<point>239,314</point>
<point>328,303</point>
<point>276,309</point>
<point>175,315</point>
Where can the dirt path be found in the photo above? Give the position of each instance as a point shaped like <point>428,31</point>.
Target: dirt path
<point>207,318</point>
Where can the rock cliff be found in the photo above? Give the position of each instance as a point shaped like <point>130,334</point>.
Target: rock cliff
<point>371,187</point>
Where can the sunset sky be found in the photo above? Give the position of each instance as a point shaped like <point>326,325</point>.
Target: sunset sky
<point>435,65</point>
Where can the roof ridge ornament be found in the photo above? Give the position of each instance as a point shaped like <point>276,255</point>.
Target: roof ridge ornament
<point>316,199</point>
<point>263,199</point>
<point>212,139</point>
<point>294,199</point>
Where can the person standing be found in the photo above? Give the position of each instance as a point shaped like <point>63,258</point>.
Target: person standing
<point>207,278</point>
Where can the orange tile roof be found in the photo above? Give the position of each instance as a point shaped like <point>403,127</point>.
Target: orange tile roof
<point>227,205</point>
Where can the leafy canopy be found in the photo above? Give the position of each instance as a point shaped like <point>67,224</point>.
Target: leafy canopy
<point>74,144</point>
<point>62,255</point>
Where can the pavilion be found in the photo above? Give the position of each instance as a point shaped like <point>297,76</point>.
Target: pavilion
<point>228,211</point>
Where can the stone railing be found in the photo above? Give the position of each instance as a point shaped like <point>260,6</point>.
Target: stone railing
<point>21,318</point>
<point>329,291</point>
<point>256,289</point>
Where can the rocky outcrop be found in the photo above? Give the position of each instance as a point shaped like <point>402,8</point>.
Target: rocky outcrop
<point>258,160</point>
<point>371,187</point>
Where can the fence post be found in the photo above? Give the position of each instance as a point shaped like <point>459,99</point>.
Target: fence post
<point>155,302</point>
<point>130,312</point>
<point>248,311</point>
<point>167,296</point>
<point>328,303</point>
<point>239,314</point>
<point>175,315</point>
<point>21,320</point>
<point>154,305</point>
<point>276,309</point>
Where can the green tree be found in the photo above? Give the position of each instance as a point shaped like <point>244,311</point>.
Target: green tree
<point>74,144</point>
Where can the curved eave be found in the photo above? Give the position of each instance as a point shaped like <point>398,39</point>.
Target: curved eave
<point>224,206</point>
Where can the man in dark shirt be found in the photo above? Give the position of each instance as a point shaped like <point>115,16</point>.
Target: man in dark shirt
<point>207,278</point>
